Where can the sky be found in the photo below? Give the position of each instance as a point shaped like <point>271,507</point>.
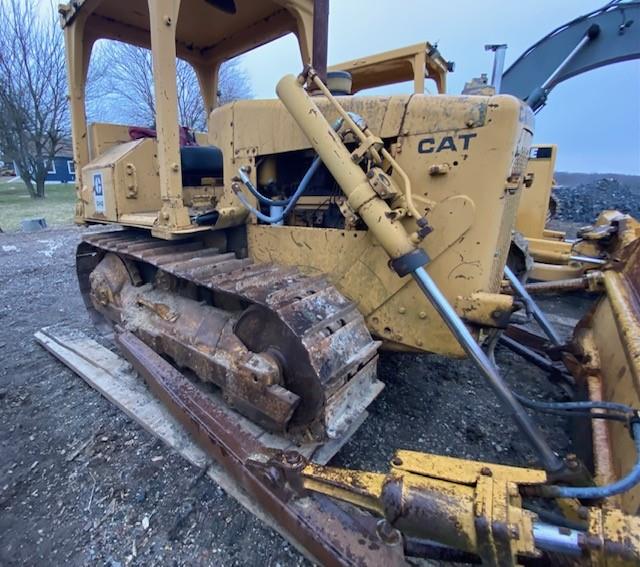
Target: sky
<point>594,118</point>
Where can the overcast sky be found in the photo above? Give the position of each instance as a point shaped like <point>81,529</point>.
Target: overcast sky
<point>594,118</point>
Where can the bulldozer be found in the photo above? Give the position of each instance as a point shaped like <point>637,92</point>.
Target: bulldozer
<point>274,255</point>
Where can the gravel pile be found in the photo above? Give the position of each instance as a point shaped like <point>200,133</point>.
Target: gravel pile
<point>583,202</point>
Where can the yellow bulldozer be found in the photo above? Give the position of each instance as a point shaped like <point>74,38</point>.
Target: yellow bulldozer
<point>274,255</point>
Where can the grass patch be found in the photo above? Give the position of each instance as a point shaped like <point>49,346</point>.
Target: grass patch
<point>15,204</point>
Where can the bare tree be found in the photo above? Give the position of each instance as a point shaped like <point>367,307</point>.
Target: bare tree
<point>33,90</point>
<point>127,86</point>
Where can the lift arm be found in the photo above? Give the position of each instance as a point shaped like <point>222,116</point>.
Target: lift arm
<point>605,36</point>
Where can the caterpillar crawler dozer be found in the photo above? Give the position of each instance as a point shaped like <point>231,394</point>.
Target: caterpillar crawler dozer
<point>275,254</point>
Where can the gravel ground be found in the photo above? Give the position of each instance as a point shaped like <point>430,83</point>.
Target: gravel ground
<point>81,484</point>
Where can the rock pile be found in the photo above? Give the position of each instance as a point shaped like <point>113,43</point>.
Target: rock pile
<point>583,202</point>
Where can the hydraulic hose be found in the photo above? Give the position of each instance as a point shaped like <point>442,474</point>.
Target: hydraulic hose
<point>596,492</point>
<point>317,162</point>
<point>271,202</point>
<point>613,406</point>
<point>260,196</point>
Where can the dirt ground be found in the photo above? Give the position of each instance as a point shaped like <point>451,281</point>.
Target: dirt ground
<point>81,484</point>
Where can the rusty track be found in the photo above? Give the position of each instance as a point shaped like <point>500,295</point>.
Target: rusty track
<point>329,336</point>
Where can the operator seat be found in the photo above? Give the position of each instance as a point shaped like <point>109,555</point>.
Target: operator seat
<point>198,162</point>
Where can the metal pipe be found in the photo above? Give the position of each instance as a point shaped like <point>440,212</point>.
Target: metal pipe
<point>499,51</point>
<point>588,260</point>
<point>556,539</point>
<point>320,37</point>
<point>346,116</point>
<point>550,461</point>
<point>532,306</point>
<point>558,286</point>
<point>528,354</point>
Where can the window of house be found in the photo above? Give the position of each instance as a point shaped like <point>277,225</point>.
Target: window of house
<point>71,167</point>
<point>51,167</point>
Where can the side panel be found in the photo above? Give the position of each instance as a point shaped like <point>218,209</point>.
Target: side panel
<point>480,144</point>
<point>534,203</point>
<point>130,184</point>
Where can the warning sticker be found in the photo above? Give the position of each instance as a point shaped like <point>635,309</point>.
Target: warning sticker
<point>98,193</point>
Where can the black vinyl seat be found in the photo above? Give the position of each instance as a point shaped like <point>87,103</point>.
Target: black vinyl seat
<point>198,162</point>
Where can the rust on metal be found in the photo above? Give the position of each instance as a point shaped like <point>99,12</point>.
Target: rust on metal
<point>329,534</point>
<point>288,350</point>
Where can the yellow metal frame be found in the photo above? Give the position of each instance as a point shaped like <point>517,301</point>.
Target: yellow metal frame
<point>608,367</point>
<point>86,21</point>
<point>471,506</point>
<point>412,63</point>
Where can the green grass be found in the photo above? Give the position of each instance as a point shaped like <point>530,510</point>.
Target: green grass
<point>15,204</point>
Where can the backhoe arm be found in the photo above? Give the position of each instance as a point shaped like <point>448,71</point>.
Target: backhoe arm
<point>605,36</point>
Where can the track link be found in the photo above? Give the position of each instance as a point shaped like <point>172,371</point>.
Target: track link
<point>321,323</point>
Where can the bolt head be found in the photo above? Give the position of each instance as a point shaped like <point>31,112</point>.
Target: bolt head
<point>387,533</point>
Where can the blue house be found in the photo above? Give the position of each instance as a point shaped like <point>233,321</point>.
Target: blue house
<point>61,170</point>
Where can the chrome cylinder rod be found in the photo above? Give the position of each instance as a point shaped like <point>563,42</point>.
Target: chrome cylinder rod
<point>532,306</point>
<point>588,260</point>
<point>556,539</point>
<point>548,458</point>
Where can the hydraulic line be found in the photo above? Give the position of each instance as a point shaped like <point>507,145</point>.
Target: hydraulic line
<point>317,162</point>
<point>549,459</point>
<point>588,260</point>
<point>596,492</point>
<point>528,354</point>
<point>535,404</point>
<point>265,200</point>
<point>272,202</point>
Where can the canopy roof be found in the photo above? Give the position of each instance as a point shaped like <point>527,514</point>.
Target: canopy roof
<point>206,29</point>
